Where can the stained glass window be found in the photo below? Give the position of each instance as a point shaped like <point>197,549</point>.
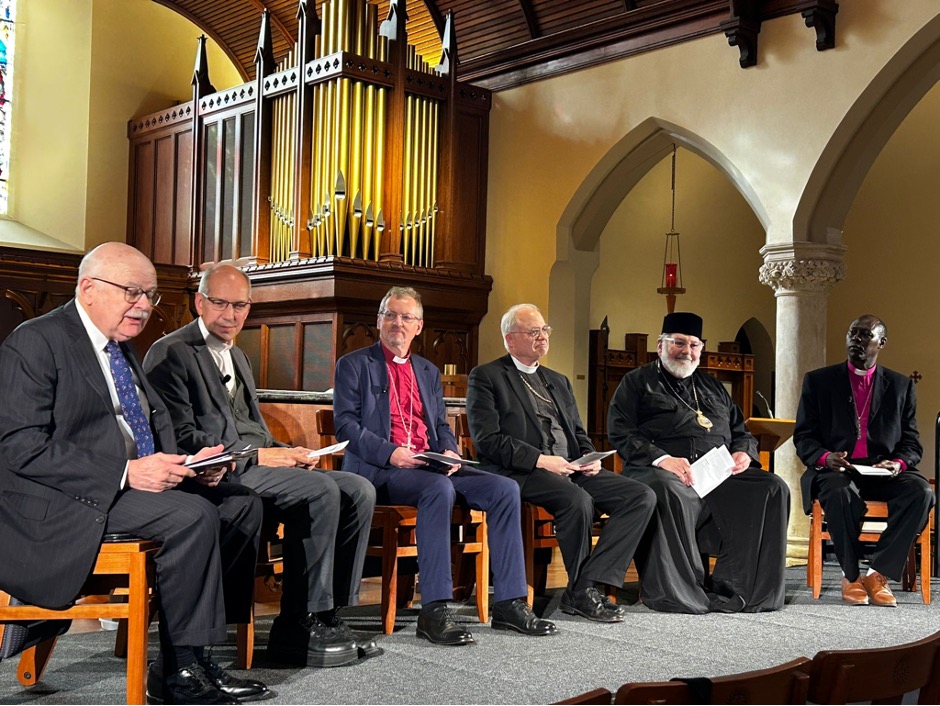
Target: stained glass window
<point>7,42</point>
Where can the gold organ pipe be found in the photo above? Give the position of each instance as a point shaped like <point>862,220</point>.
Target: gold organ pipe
<point>407,166</point>
<point>354,192</point>
<point>432,201</point>
<point>341,133</point>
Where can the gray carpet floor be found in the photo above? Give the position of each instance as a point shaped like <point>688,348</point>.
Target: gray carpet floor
<point>504,668</point>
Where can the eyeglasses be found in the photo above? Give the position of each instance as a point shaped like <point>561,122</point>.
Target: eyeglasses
<point>390,317</point>
<point>223,304</point>
<point>132,294</point>
<point>535,332</point>
<point>681,343</point>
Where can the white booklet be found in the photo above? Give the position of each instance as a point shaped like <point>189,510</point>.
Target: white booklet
<point>204,464</point>
<point>590,458</point>
<point>871,470</point>
<point>711,470</point>
<point>328,450</point>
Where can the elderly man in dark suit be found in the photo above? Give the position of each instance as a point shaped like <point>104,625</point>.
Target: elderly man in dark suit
<point>525,424</point>
<point>207,383</point>
<point>87,448</point>
<point>388,404</point>
<point>858,412</point>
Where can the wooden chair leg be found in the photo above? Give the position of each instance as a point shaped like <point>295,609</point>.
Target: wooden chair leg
<point>909,575</point>
<point>389,578</point>
<point>406,590</point>
<point>925,537</point>
<point>138,621</point>
<point>245,641</point>
<point>528,550</point>
<point>33,662</point>
<point>120,639</point>
<point>483,573</point>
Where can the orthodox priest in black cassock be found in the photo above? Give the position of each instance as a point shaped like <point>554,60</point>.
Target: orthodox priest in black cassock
<point>664,416</point>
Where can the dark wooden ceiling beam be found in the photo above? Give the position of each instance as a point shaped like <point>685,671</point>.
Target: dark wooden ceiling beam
<point>531,21</point>
<point>742,29</point>
<point>821,16</point>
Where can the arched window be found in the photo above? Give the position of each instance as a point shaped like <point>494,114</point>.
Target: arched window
<point>7,43</point>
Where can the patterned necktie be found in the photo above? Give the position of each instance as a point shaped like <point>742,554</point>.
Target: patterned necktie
<point>130,402</point>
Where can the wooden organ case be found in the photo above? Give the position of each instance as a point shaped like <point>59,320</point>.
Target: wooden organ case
<point>349,167</point>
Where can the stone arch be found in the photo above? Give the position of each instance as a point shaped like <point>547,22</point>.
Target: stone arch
<point>587,214</point>
<point>861,136</point>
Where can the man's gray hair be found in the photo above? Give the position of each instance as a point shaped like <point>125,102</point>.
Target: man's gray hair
<point>207,275</point>
<point>401,293</point>
<point>511,317</point>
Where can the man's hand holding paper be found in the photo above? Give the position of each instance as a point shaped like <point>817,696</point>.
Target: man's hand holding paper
<point>712,469</point>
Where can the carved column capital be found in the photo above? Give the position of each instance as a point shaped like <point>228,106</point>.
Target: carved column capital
<point>802,267</point>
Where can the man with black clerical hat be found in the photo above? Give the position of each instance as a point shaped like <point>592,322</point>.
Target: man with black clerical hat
<point>856,420</point>
<point>664,416</point>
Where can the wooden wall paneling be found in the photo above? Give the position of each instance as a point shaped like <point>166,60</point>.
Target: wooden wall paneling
<point>264,66</point>
<point>183,253</point>
<point>201,88</point>
<point>164,198</point>
<point>145,185</point>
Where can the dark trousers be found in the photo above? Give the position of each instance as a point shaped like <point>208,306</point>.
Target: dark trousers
<point>572,500</point>
<point>748,515</point>
<point>434,495</point>
<point>205,567</point>
<point>842,497</point>
<point>326,516</point>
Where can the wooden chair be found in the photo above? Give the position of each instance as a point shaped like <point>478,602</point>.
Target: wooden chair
<point>785,684</point>
<point>880,675</point>
<point>120,564</point>
<point>877,512</point>
<point>597,696</point>
<point>393,539</point>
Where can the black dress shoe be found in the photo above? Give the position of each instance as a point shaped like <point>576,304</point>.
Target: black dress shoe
<point>365,646</point>
<point>438,626</point>
<point>588,604</point>
<point>723,604</point>
<point>188,685</point>
<point>516,615</point>
<point>241,689</point>
<point>610,605</point>
<point>307,641</point>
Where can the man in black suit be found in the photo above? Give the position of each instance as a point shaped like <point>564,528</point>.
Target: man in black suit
<point>859,413</point>
<point>209,389</point>
<point>86,448</point>
<point>525,425</point>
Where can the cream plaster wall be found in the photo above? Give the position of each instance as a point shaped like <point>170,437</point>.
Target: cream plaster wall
<point>891,263</point>
<point>720,239</point>
<point>84,68</point>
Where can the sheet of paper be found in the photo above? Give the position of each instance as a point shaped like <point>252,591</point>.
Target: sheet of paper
<point>328,450</point>
<point>204,464</point>
<point>711,470</point>
<point>592,457</point>
<point>871,470</point>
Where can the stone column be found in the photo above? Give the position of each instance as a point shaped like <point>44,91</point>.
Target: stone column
<point>801,274</point>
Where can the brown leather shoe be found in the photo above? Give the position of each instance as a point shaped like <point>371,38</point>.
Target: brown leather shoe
<point>853,592</point>
<point>877,587</point>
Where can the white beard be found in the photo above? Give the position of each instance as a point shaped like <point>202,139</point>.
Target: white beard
<point>680,369</point>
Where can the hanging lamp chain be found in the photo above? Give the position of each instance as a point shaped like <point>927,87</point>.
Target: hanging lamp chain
<point>673,229</point>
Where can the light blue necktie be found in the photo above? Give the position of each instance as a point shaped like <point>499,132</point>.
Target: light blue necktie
<point>130,402</point>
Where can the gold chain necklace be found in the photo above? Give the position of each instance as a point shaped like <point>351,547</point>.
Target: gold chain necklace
<point>406,423</point>
<point>865,407</point>
<point>534,391</point>
<point>700,418</point>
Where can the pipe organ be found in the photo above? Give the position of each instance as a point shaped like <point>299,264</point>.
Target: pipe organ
<point>347,166</point>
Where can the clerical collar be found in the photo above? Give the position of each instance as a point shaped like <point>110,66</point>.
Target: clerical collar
<point>214,342</point>
<point>862,372</point>
<point>390,357</point>
<point>522,367</point>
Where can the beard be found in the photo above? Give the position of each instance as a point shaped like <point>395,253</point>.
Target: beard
<point>680,369</point>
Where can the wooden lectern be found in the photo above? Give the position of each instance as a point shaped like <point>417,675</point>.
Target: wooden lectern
<point>770,433</point>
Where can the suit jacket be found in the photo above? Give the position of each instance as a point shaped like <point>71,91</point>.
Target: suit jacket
<point>826,420</point>
<point>362,414</point>
<point>181,368</point>
<point>503,421</point>
<point>62,456</point>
